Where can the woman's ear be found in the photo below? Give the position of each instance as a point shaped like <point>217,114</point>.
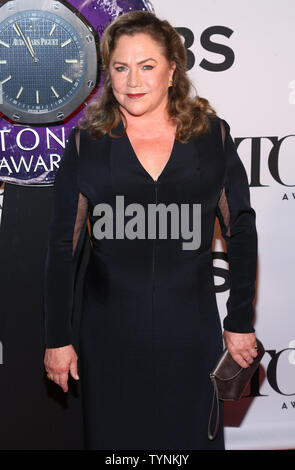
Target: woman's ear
<point>171,72</point>
<point>172,68</point>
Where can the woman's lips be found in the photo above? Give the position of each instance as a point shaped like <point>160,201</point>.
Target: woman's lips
<point>134,96</point>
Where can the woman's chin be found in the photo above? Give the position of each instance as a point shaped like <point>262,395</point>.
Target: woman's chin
<point>134,110</point>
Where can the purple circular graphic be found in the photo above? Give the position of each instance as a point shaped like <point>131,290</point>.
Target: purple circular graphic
<point>29,154</point>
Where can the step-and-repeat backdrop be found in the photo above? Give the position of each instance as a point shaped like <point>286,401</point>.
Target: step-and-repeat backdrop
<point>240,58</point>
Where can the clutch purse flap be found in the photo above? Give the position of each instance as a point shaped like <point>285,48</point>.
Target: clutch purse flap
<point>232,379</point>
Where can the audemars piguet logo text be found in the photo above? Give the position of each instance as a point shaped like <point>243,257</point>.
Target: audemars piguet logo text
<point>37,42</point>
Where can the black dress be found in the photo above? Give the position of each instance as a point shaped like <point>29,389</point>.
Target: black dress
<point>150,329</point>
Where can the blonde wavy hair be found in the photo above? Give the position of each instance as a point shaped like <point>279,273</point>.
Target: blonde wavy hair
<point>190,114</point>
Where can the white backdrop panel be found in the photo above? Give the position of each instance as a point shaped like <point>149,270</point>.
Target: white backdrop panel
<point>256,95</point>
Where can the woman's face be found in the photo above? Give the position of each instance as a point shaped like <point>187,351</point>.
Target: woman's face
<point>140,75</point>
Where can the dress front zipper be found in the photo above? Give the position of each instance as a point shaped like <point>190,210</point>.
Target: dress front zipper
<point>154,245</point>
<point>154,320</point>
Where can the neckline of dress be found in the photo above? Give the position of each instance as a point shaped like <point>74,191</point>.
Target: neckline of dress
<point>141,165</point>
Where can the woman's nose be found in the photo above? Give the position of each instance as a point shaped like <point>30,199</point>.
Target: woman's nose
<point>133,78</point>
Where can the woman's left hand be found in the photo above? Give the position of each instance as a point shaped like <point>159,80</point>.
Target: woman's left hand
<point>241,346</point>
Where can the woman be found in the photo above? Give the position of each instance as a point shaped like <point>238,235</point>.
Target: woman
<point>150,330</point>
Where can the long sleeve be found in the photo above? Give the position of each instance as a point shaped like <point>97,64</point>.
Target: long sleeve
<point>238,227</point>
<point>66,233</point>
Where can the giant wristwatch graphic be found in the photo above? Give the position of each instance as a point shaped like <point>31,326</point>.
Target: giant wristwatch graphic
<point>48,60</point>
<point>49,71</point>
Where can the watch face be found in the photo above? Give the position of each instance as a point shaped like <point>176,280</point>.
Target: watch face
<point>48,61</point>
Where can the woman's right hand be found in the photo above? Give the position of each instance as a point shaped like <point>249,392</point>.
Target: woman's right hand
<point>59,362</point>
<point>241,346</point>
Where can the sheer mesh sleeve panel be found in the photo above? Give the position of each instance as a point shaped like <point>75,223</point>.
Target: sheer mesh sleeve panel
<point>82,214</point>
<point>238,227</point>
<point>67,229</point>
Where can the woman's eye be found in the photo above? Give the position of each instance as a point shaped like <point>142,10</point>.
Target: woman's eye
<point>148,67</point>
<point>120,68</point>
